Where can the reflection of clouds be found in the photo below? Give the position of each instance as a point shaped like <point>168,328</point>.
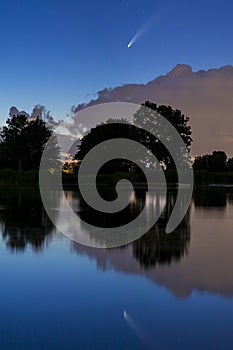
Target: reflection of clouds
<point>207,267</point>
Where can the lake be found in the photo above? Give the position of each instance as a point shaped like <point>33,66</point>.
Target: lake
<point>163,291</point>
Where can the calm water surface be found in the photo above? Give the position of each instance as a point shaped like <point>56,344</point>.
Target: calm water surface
<point>161,292</point>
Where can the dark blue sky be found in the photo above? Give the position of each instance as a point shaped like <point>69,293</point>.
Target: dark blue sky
<point>61,52</point>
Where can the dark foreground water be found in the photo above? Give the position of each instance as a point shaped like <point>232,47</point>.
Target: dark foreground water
<point>161,292</point>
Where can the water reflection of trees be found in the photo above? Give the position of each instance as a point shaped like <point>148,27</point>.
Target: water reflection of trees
<point>159,248</point>
<point>230,196</point>
<point>210,197</point>
<point>100,219</point>
<point>23,219</point>
<point>155,247</point>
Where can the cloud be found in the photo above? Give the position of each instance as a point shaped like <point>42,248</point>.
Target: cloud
<point>204,96</point>
<point>207,268</point>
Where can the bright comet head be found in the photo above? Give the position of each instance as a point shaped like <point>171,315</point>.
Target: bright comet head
<point>129,45</point>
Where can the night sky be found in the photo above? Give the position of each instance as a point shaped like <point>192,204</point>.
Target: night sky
<point>61,52</point>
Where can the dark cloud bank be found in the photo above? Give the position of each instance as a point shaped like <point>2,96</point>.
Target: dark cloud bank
<point>205,96</point>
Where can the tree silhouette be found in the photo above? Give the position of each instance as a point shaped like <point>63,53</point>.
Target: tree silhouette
<point>180,122</point>
<point>135,131</point>
<point>113,128</point>
<point>217,161</point>
<point>23,141</point>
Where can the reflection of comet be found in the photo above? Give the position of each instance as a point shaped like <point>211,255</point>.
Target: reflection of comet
<point>135,328</point>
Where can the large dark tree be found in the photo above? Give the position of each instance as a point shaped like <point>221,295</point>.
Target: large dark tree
<point>22,143</point>
<point>144,116</point>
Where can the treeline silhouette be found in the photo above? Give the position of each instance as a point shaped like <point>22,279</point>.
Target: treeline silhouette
<point>215,162</point>
<point>23,139</point>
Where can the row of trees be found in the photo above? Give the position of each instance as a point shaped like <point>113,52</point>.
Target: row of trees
<point>215,162</point>
<point>23,138</point>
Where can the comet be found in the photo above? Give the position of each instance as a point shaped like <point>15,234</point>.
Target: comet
<point>137,35</point>
<point>146,26</point>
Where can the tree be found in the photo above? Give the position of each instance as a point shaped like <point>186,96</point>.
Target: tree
<point>230,164</point>
<point>13,141</point>
<point>143,118</point>
<point>113,128</point>
<point>202,162</point>
<point>215,162</point>
<point>23,141</point>
<point>136,132</point>
<point>218,161</point>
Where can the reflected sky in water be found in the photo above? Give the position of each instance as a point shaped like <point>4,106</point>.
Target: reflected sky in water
<point>176,290</point>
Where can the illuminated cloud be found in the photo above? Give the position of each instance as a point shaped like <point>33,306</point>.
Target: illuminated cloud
<point>204,96</point>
